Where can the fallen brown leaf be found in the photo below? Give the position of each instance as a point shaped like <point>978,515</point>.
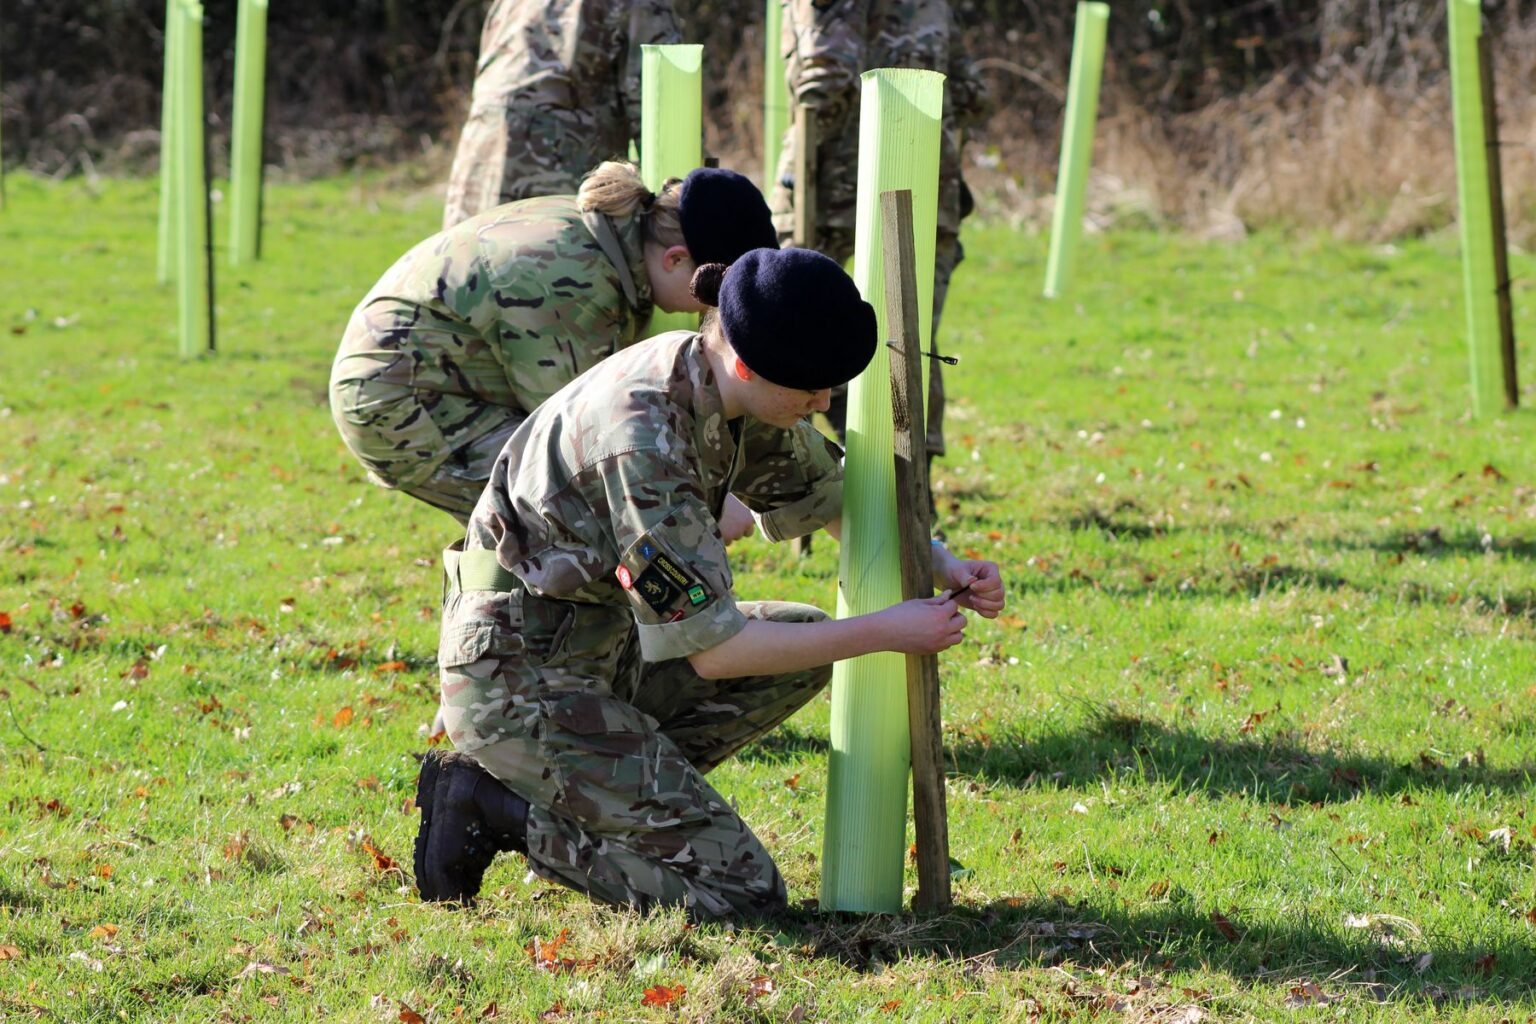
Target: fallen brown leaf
<point>382,862</point>
<point>662,995</point>
<point>1225,926</point>
<point>256,967</point>
<point>1308,994</point>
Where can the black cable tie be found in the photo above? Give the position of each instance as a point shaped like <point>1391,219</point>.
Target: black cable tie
<point>947,360</point>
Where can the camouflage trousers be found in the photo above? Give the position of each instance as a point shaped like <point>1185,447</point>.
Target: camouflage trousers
<point>551,697</point>
<point>381,423</point>
<point>837,242</point>
<point>509,152</point>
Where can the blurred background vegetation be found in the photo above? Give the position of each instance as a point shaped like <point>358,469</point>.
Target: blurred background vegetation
<point>1218,115</point>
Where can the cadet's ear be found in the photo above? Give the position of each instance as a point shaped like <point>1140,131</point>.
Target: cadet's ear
<point>742,370</point>
<point>674,257</point>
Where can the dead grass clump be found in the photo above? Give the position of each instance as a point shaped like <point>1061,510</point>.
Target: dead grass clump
<point>1331,147</point>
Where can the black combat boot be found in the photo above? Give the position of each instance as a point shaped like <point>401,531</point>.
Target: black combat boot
<point>426,785</point>
<point>470,818</point>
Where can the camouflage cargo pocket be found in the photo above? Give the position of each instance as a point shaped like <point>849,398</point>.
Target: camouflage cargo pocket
<point>615,771</point>
<point>489,692</point>
<point>479,624</point>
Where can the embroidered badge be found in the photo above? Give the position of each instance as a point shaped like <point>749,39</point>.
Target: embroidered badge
<point>625,580</point>
<point>673,573</point>
<point>654,588</point>
<point>697,594</point>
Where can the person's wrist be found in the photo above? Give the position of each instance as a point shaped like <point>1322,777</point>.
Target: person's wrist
<point>942,559</point>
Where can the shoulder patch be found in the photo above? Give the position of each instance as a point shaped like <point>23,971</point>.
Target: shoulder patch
<point>655,589</point>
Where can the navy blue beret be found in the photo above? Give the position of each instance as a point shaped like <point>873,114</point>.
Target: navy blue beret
<point>796,318</point>
<point>723,215</point>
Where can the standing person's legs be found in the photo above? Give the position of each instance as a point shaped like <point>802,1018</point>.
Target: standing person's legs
<point>479,162</point>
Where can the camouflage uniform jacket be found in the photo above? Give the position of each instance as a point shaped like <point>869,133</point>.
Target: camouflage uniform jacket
<point>500,312</point>
<point>558,85</point>
<point>828,44</point>
<point>610,493</point>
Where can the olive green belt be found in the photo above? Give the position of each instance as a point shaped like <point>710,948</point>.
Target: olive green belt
<point>476,570</point>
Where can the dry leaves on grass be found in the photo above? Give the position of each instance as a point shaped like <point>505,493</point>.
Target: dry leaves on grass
<point>546,955</point>
<point>663,995</point>
<point>10,953</point>
<point>1308,994</point>
<point>256,967</point>
<point>382,862</point>
<point>1225,926</point>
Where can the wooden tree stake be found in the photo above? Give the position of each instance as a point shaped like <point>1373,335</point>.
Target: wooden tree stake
<point>923,711</point>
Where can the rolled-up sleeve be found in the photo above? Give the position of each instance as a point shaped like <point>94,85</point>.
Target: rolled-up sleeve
<point>672,564</point>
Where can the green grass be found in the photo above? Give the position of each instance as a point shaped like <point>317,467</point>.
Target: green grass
<point>1259,716</point>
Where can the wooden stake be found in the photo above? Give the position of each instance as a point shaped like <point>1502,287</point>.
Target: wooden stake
<point>924,717</point>
<point>1496,211</point>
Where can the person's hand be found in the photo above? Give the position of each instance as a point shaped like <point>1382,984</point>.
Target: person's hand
<point>736,520</point>
<point>923,625</point>
<point>974,584</point>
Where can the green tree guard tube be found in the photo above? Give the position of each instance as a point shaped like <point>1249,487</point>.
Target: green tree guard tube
<point>245,149</point>
<point>192,190</point>
<point>775,92</point>
<point>864,843</point>
<point>671,132</point>
<point>165,255</point>
<point>1476,207</point>
<point>1076,144</point>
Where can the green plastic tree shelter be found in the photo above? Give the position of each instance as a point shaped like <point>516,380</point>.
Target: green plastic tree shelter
<point>865,836</point>
<point>1476,201</point>
<point>245,149</point>
<point>671,131</point>
<point>165,254</point>
<point>775,92</point>
<point>1076,144</point>
<point>193,301</point>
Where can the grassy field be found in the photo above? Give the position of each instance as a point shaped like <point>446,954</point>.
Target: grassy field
<point>1254,741</point>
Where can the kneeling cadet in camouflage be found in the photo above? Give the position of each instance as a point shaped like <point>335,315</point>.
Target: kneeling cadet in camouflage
<point>595,663</point>
<point>469,331</point>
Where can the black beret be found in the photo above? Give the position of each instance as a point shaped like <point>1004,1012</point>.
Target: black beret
<point>796,318</point>
<point>723,215</point>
